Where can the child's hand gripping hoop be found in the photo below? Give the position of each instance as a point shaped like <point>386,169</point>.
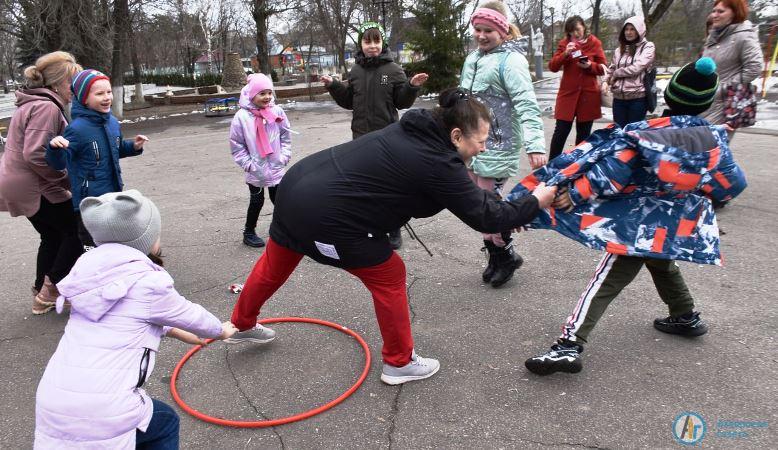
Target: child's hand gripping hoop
<point>283,420</point>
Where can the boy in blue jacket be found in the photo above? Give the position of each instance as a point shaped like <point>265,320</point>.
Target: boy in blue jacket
<point>92,144</point>
<point>640,195</point>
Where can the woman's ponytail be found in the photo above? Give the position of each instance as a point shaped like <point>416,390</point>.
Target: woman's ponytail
<point>458,109</point>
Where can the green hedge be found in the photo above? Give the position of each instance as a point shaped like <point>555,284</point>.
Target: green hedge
<point>177,79</point>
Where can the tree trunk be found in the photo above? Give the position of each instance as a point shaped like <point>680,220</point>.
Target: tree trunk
<point>136,71</point>
<point>260,14</point>
<point>121,19</point>
<point>652,17</point>
<point>596,18</point>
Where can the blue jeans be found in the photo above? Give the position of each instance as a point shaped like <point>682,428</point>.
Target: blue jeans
<point>162,433</point>
<point>628,111</point>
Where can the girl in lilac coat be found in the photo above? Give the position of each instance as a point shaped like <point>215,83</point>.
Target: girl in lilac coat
<point>261,146</point>
<point>122,303</point>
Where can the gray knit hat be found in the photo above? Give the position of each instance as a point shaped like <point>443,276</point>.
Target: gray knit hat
<point>126,218</point>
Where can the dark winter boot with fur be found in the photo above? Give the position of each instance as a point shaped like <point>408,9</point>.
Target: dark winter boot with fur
<point>506,262</point>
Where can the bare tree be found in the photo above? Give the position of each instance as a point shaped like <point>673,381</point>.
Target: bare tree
<point>262,11</point>
<point>596,17</point>
<point>335,17</point>
<point>527,14</point>
<point>77,26</point>
<point>121,26</point>
<point>653,10</point>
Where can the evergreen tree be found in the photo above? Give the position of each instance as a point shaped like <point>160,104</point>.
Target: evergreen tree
<point>440,36</point>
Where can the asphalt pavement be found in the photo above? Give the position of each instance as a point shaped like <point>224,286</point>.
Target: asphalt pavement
<point>636,381</point>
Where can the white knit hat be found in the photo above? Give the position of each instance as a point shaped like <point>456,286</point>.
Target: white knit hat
<point>126,218</point>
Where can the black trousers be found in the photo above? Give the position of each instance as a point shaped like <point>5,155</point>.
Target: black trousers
<point>256,202</point>
<point>83,234</point>
<point>562,130</point>
<point>60,247</point>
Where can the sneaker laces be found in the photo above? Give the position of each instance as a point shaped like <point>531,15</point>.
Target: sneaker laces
<point>419,361</point>
<point>685,318</point>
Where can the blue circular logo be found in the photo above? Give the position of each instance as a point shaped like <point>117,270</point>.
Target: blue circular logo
<point>689,428</point>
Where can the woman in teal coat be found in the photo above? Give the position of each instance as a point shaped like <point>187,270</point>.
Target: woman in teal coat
<point>498,75</point>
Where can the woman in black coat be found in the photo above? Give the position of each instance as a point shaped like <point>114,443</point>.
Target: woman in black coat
<point>337,205</point>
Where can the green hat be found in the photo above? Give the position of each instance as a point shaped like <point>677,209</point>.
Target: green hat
<point>368,25</point>
<point>692,89</point>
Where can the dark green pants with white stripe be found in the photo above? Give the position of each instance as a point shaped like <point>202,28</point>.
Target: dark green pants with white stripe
<point>613,274</point>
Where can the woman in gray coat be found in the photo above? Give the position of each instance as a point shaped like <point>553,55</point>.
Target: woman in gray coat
<point>734,44</point>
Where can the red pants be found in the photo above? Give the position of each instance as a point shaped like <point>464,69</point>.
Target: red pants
<point>385,281</point>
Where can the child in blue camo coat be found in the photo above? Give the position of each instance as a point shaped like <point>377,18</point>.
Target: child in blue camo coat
<point>642,195</point>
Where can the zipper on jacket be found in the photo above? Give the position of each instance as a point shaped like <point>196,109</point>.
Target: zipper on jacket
<point>475,72</point>
<point>96,149</point>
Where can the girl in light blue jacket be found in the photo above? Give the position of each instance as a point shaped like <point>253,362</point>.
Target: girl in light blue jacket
<point>498,75</point>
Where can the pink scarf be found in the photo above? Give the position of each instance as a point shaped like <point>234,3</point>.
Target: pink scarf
<point>262,116</point>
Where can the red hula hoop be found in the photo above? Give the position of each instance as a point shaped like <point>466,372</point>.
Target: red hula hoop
<point>283,420</point>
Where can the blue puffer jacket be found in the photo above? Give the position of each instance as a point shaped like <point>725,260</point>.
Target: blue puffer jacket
<point>644,190</point>
<point>92,157</point>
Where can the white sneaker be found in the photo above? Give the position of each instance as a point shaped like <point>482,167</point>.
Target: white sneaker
<point>257,335</point>
<point>418,369</point>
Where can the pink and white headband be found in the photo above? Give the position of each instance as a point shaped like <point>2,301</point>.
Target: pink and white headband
<point>492,19</point>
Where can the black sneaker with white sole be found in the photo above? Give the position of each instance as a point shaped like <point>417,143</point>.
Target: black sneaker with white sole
<point>564,356</point>
<point>688,324</point>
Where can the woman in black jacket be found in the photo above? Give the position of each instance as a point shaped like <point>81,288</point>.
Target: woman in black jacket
<point>337,205</point>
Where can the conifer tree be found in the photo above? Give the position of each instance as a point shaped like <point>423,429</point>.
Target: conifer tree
<point>439,35</point>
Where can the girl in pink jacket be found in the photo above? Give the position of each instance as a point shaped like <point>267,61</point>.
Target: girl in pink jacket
<point>261,146</point>
<point>632,60</point>
<point>122,303</point>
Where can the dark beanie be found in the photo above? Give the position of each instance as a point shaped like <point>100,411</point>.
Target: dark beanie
<point>692,88</point>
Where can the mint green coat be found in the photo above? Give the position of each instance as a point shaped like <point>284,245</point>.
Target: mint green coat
<point>500,79</point>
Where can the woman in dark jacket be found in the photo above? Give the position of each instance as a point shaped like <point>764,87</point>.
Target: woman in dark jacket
<point>581,59</point>
<point>29,186</point>
<point>337,205</point>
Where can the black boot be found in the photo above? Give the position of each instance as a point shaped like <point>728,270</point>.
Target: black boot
<point>395,239</point>
<point>251,239</point>
<point>506,262</point>
<point>491,250</point>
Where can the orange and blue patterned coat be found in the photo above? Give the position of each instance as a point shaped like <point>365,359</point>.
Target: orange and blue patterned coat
<point>644,190</point>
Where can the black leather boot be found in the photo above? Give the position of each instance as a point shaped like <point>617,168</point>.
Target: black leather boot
<point>506,262</point>
<point>491,251</point>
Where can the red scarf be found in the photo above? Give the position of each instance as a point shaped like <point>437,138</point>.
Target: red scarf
<point>261,117</point>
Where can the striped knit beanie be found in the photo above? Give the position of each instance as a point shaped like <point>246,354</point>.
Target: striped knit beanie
<point>692,88</point>
<point>368,25</point>
<point>83,82</point>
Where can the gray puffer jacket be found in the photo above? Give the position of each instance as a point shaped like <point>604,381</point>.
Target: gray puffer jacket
<point>738,57</point>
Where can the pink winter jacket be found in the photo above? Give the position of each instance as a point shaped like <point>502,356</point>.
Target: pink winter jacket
<point>121,304</point>
<point>25,175</point>
<point>625,74</point>
<point>260,171</point>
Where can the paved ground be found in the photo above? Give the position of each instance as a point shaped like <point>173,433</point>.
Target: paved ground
<point>634,383</point>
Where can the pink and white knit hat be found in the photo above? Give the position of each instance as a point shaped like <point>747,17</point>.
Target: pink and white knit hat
<point>492,19</point>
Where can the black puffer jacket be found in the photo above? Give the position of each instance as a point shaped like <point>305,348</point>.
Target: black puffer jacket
<point>342,201</point>
<point>376,89</point>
